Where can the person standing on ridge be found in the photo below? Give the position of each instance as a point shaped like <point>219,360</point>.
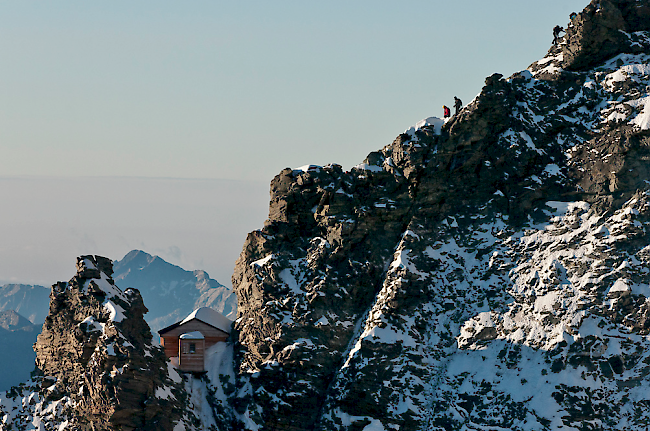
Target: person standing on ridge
<point>446,111</point>
<point>457,105</point>
<point>556,34</point>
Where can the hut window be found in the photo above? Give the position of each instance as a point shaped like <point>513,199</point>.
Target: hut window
<point>192,348</point>
<point>184,347</point>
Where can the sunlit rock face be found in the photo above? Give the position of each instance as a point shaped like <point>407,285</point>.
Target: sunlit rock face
<point>488,272</point>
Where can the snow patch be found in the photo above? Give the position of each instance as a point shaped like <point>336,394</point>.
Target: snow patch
<point>642,120</point>
<point>308,168</point>
<point>263,261</point>
<point>164,392</point>
<point>194,335</point>
<point>116,313</point>
<point>367,167</point>
<point>434,122</point>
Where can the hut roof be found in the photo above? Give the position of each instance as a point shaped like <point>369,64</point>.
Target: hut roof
<point>211,317</point>
<point>195,335</point>
<point>206,315</point>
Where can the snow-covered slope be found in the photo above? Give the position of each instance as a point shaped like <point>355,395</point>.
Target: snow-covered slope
<point>485,274</point>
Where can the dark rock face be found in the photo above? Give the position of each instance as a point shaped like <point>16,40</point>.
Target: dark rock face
<point>486,274</point>
<point>605,28</point>
<point>318,219</point>
<point>96,366</point>
<point>170,292</point>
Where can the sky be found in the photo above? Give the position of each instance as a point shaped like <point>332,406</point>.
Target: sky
<point>194,223</point>
<point>164,99</point>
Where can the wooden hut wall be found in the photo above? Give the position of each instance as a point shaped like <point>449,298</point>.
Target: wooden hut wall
<point>170,339</point>
<point>170,344</point>
<point>192,361</point>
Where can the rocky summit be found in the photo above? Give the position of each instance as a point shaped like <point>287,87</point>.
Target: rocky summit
<point>485,272</point>
<point>96,368</point>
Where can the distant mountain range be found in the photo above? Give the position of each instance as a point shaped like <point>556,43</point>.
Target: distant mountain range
<point>169,291</point>
<point>30,301</point>
<point>17,334</point>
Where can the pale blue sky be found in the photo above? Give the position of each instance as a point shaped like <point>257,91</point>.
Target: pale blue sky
<point>213,89</point>
<point>197,224</point>
<point>223,91</point>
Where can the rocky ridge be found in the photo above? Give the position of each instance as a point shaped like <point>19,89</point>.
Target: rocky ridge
<point>96,366</point>
<point>514,236</point>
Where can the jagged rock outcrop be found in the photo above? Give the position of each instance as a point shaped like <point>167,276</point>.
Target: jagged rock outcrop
<point>488,272</point>
<point>604,29</point>
<point>96,367</point>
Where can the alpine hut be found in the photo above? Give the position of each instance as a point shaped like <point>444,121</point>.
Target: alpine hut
<point>185,342</point>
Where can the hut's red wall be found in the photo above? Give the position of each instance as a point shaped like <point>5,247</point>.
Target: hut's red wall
<point>170,339</point>
<point>170,344</point>
<point>192,361</point>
